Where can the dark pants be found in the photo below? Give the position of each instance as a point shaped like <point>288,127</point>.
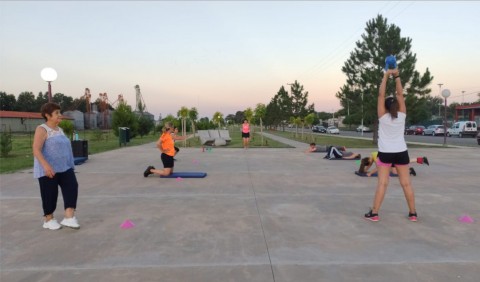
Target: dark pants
<point>49,191</point>
<point>334,153</point>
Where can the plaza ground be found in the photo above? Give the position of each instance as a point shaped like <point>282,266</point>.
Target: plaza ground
<point>260,215</point>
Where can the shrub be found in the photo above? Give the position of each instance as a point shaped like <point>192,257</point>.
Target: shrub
<point>67,127</point>
<point>6,143</point>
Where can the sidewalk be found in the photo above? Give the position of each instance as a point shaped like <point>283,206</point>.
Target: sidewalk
<point>260,215</point>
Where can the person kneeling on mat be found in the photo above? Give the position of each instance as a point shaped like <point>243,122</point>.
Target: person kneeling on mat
<point>366,164</point>
<point>166,145</point>
<point>334,153</point>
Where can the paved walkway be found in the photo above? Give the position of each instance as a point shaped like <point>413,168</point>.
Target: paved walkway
<point>260,215</point>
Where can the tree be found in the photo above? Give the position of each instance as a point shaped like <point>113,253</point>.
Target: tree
<point>365,65</point>
<point>309,119</point>
<point>145,125</point>
<point>217,118</point>
<point>7,102</point>
<point>259,115</point>
<point>65,102</point>
<point>67,127</point>
<point>279,110</point>
<point>230,119</point>
<point>123,116</point>
<point>26,103</point>
<point>248,114</point>
<point>299,100</point>
<point>239,117</point>
<point>183,114</point>
<point>41,100</point>
<point>5,142</point>
<point>193,116</point>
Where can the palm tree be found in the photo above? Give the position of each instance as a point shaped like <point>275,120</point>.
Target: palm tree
<point>183,114</point>
<point>193,116</point>
<point>217,118</point>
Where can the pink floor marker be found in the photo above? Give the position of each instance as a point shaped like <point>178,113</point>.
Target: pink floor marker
<point>195,161</point>
<point>466,219</point>
<point>179,178</point>
<point>127,224</point>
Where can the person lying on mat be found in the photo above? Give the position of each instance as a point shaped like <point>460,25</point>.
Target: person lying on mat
<point>314,148</point>
<point>166,145</point>
<point>334,153</point>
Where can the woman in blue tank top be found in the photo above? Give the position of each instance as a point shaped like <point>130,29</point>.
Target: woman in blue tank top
<point>53,166</point>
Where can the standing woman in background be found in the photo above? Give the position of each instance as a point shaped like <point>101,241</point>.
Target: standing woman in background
<point>392,148</point>
<point>53,166</point>
<point>245,133</point>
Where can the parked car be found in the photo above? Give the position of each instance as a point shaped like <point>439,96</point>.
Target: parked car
<point>365,129</point>
<point>434,130</point>
<point>333,130</point>
<point>463,128</point>
<point>415,130</point>
<point>319,128</point>
<point>478,138</point>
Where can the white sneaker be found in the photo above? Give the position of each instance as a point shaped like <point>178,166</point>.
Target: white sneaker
<point>52,224</point>
<point>70,222</point>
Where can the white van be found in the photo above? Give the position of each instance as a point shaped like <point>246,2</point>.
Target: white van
<point>463,128</point>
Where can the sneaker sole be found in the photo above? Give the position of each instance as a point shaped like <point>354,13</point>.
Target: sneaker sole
<point>412,220</point>
<point>372,219</point>
<point>70,226</point>
<point>51,229</point>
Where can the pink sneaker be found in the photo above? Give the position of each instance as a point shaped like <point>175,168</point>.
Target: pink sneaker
<point>372,216</point>
<point>412,216</point>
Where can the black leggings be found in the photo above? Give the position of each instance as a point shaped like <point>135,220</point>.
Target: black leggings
<point>49,191</point>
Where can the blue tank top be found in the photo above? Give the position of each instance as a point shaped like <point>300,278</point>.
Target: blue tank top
<point>57,151</point>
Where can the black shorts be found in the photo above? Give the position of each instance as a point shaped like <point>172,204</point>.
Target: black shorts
<point>245,135</point>
<point>167,161</point>
<point>393,159</point>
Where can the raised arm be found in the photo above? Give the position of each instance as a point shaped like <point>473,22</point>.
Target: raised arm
<point>399,92</point>
<point>381,95</point>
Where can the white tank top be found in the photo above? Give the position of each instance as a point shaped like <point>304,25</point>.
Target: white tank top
<point>390,133</point>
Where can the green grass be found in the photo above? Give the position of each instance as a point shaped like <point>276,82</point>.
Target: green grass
<point>21,156</point>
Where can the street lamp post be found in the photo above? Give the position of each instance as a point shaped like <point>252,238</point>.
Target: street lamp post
<point>440,86</point>
<point>49,75</point>
<point>445,94</point>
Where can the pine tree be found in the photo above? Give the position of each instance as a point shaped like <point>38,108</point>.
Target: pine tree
<point>364,72</point>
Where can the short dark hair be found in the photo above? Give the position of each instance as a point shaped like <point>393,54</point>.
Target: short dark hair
<point>49,108</point>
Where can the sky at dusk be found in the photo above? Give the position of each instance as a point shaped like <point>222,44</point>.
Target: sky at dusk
<point>223,56</point>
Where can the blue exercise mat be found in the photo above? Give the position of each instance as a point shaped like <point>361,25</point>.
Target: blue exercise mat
<point>186,175</point>
<point>79,160</point>
<point>373,174</point>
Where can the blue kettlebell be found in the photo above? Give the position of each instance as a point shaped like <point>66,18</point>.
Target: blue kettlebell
<point>390,62</point>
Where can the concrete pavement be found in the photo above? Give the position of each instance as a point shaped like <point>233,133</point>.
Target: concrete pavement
<point>259,215</point>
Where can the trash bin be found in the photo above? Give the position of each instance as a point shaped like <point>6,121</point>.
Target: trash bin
<point>127,137</point>
<point>80,148</point>
<point>122,136</point>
